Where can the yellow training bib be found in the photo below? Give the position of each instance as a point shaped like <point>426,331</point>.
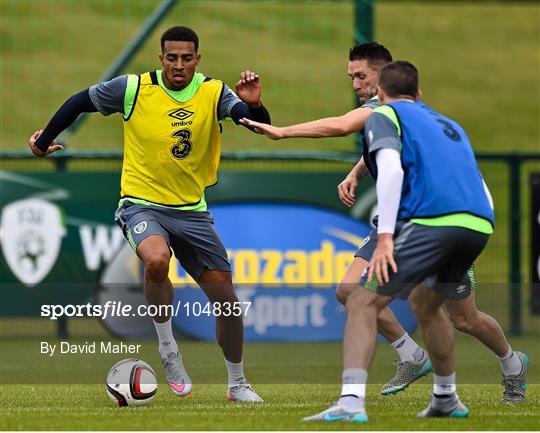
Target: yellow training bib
<point>171,149</point>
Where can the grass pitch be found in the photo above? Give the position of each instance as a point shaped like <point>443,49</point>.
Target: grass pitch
<point>296,380</point>
<point>86,407</point>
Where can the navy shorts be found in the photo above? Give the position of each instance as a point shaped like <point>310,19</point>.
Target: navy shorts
<point>462,291</point>
<point>441,256</point>
<point>191,235</point>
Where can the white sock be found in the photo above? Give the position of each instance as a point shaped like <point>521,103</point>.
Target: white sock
<point>236,372</point>
<point>510,363</point>
<point>167,343</point>
<point>353,388</point>
<point>407,349</point>
<point>444,385</point>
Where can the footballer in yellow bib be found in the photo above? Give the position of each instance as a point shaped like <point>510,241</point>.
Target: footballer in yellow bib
<point>172,142</point>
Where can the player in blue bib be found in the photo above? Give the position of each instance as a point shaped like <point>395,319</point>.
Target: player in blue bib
<point>444,220</point>
<point>365,62</point>
<point>428,179</point>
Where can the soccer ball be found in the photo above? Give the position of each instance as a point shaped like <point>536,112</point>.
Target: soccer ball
<point>131,382</point>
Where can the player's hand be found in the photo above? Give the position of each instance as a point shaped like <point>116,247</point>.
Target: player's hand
<point>248,89</point>
<point>383,256</point>
<point>347,189</point>
<point>53,147</point>
<point>273,132</point>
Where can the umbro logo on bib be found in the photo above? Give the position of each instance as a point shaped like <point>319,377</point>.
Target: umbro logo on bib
<point>181,114</point>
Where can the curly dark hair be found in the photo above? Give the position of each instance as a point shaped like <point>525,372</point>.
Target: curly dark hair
<point>180,33</point>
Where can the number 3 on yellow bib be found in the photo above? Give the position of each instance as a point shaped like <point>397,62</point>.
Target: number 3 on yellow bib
<point>182,148</point>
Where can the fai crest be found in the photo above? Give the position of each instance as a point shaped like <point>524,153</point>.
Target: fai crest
<point>31,232</point>
<point>139,228</point>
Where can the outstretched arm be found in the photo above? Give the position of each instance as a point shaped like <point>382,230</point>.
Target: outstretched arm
<point>42,142</point>
<point>106,97</point>
<point>350,122</point>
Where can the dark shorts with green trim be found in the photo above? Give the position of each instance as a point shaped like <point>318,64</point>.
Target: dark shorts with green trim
<point>441,256</point>
<point>463,289</point>
<point>190,234</point>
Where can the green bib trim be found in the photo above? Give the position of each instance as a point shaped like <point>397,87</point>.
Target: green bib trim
<point>182,96</point>
<point>199,207</point>
<point>389,112</point>
<point>132,86</point>
<point>465,220</point>
<point>185,94</point>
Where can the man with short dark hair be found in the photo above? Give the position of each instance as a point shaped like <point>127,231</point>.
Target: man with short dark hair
<point>172,142</point>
